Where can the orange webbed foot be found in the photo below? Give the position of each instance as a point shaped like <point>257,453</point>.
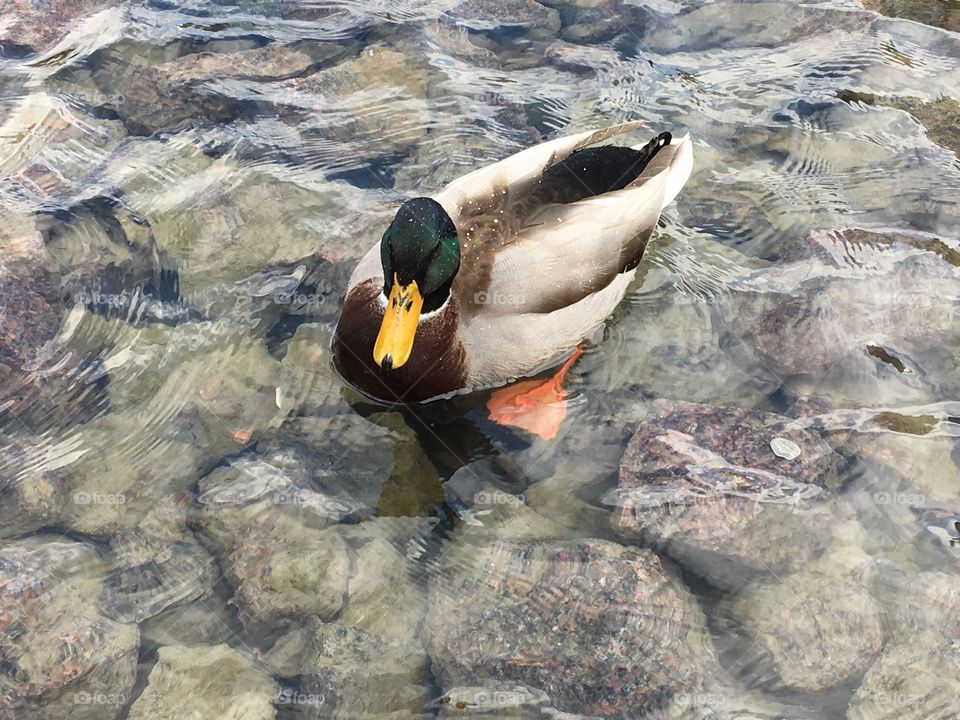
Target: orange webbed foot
<point>537,406</point>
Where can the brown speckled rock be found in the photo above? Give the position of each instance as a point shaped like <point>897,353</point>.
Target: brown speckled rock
<point>60,656</point>
<point>30,26</point>
<point>600,628</point>
<point>35,389</point>
<point>30,494</point>
<point>704,483</point>
<point>940,13</point>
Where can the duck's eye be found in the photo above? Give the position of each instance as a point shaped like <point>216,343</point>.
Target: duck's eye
<point>409,305</point>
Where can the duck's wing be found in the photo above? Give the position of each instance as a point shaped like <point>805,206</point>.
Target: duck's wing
<point>566,252</point>
<point>513,177</point>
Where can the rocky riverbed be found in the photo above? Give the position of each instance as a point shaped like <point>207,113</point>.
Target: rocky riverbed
<point>752,508</point>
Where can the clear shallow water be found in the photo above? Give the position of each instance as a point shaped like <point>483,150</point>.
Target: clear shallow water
<point>198,517</point>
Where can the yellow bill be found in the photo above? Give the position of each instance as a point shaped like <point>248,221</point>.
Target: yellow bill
<point>400,318</point>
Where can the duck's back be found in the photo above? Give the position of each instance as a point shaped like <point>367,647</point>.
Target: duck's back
<point>548,252</point>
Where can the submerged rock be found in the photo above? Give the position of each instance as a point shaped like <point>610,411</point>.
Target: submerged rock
<point>35,172</point>
<point>941,117</point>
<point>599,628</point>
<point>148,100</point>
<point>929,12</point>
<point>857,316</point>
<point>149,577</point>
<point>913,463</point>
<point>345,103</point>
<point>350,674</point>
<point>41,382</point>
<point>913,680</point>
<point>238,222</point>
<point>270,62</point>
<point>287,558</point>
<point>206,621</point>
<point>61,656</point>
<point>282,578</point>
<point>30,492</point>
<point>704,483</point>
<point>205,683</point>
<point>915,604</point>
<point>489,15</point>
<point>812,631</point>
<point>369,462</point>
<point>27,26</point>
<point>120,480</point>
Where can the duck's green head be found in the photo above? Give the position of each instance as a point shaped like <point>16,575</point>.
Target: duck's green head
<point>420,253</point>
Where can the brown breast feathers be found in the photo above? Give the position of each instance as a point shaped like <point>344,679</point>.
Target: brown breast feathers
<point>437,364</point>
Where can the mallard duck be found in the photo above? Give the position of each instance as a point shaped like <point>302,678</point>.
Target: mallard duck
<point>503,272</point>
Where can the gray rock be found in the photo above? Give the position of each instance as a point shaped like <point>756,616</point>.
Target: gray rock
<point>905,459</point>
<point>205,621</point>
<point>115,486</point>
<point>241,221</point>
<point>282,576</point>
<point>149,576</point>
<point>382,596</point>
<point>374,462</point>
<point>278,541</point>
<point>810,632</point>
<point>862,317</point>
<point>915,680</point>
<point>251,492</point>
<point>205,683</point>
<point>61,656</point>
<point>916,604</point>
<point>351,674</point>
<point>486,15</point>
